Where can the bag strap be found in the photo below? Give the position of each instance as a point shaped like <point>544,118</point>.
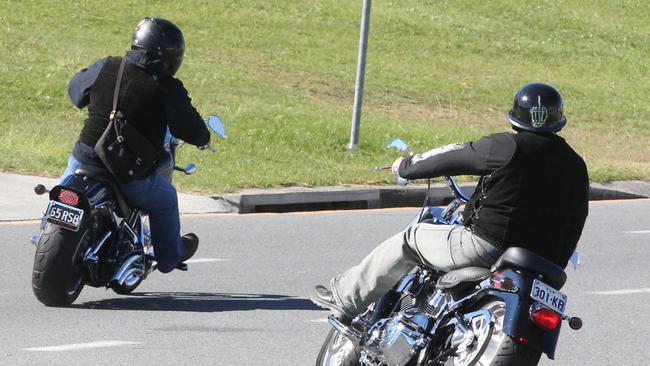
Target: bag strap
<point>116,92</point>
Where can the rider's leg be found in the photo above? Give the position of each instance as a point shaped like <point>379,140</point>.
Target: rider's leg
<point>73,165</point>
<point>462,249</point>
<point>439,246</point>
<point>157,197</point>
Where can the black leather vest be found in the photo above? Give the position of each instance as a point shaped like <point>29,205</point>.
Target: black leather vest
<point>530,201</point>
<point>141,100</point>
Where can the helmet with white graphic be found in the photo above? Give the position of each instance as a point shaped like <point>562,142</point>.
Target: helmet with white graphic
<point>538,107</point>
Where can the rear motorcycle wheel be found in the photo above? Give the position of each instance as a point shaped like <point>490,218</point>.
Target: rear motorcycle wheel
<point>492,347</point>
<point>56,276</point>
<point>338,350</point>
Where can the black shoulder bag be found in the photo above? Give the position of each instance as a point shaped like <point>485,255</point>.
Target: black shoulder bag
<point>127,154</point>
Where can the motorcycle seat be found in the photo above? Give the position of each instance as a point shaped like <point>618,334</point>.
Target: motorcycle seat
<point>101,176</point>
<point>463,276</point>
<point>527,260</point>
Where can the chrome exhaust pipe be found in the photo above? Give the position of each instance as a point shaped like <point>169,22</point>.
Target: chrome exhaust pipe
<point>132,276</point>
<point>126,269</point>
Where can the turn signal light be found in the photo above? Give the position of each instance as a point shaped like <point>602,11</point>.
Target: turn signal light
<point>545,318</point>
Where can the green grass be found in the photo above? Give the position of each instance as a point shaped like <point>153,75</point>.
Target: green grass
<point>281,75</point>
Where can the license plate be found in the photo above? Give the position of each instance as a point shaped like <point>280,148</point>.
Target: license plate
<point>63,215</point>
<point>548,296</point>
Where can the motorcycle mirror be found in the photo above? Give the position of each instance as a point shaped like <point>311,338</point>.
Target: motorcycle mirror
<point>575,260</point>
<point>216,124</point>
<point>190,169</point>
<point>399,145</point>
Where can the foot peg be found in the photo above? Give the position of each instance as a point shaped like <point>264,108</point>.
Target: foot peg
<point>345,329</point>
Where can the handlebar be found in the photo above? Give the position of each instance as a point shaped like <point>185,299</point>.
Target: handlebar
<point>456,189</point>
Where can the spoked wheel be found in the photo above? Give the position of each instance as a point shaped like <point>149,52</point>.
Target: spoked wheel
<point>490,346</point>
<point>338,350</point>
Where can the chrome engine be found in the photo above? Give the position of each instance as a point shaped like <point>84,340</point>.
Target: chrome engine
<point>395,340</point>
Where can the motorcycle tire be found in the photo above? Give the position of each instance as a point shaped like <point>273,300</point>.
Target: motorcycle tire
<point>337,350</point>
<point>56,276</point>
<point>493,347</point>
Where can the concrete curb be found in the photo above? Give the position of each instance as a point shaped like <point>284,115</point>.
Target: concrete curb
<point>18,201</point>
<point>336,198</point>
<point>619,190</point>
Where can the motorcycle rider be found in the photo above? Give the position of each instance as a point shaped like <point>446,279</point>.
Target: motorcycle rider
<point>533,193</point>
<point>151,99</point>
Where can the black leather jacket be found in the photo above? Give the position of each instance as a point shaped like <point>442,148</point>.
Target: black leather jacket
<point>176,106</point>
<point>533,191</point>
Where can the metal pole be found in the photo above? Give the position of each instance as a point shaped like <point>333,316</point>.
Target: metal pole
<point>361,70</point>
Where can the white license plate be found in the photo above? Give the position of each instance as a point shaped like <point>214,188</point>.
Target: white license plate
<point>548,296</point>
<point>63,215</point>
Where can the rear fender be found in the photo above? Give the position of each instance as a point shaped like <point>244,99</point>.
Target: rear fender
<point>517,323</point>
<point>96,193</point>
<point>83,200</point>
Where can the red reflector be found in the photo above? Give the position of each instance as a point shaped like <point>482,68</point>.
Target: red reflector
<point>499,280</point>
<point>522,340</point>
<point>68,197</point>
<point>545,318</point>
<point>498,274</point>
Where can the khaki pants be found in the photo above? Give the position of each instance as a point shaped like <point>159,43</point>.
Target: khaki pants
<point>442,247</point>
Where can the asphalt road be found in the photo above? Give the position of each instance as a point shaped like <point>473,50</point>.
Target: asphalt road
<point>245,299</point>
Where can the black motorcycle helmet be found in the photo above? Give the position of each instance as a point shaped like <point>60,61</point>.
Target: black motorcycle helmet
<point>538,107</point>
<point>162,40</point>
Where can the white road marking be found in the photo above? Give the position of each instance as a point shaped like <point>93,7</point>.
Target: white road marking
<point>206,260</point>
<point>79,346</point>
<point>637,232</point>
<point>322,320</point>
<point>621,292</point>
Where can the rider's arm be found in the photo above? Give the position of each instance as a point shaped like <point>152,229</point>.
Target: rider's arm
<point>80,84</point>
<point>479,157</point>
<point>184,121</point>
<point>576,222</point>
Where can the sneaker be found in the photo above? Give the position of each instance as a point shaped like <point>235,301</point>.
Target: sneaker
<point>191,244</point>
<point>324,298</point>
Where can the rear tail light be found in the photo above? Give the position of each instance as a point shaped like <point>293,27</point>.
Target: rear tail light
<point>68,197</point>
<point>544,317</point>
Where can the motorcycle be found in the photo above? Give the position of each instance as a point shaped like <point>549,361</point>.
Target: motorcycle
<point>508,314</point>
<point>90,236</point>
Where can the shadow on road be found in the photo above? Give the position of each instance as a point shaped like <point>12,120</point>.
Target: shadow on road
<point>199,302</point>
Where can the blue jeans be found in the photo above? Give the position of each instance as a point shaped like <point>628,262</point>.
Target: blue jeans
<point>157,197</point>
